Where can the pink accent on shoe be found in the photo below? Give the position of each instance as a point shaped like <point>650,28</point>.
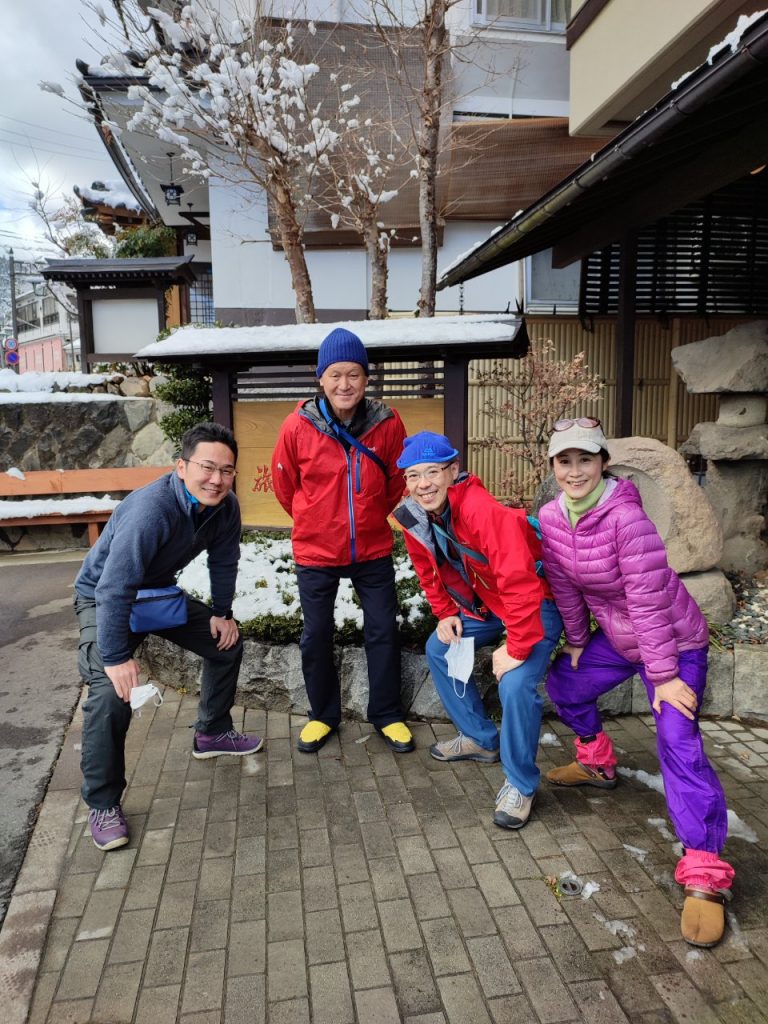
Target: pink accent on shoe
<point>597,754</point>
<point>704,870</point>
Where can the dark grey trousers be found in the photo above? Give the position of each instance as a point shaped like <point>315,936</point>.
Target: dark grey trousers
<point>106,717</point>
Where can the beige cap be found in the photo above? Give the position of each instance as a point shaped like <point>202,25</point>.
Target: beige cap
<point>585,439</point>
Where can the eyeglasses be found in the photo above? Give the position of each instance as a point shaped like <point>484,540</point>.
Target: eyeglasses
<point>209,468</point>
<point>582,421</point>
<point>430,475</point>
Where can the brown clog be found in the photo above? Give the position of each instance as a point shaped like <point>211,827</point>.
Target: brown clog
<point>578,774</point>
<point>703,919</point>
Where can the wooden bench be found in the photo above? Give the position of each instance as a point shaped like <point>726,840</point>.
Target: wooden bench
<point>47,482</point>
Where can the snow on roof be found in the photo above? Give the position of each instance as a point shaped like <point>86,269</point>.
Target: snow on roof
<point>300,337</point>
<point>731,41</point>
<point>114,194</point>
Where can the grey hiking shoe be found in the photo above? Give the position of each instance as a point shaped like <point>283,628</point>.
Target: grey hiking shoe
<point>462,748</point>
<point>512,808</point>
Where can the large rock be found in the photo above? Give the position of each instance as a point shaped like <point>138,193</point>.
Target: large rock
<point>150,447</point>
<point>727,444</point>
<point>737,493</point>
<point>736,361</point>
<point>271,678</point>
<point>750,681</point>
<point>135,387</point>
<point>742,410</point>
<point>678,507</point>
<point>712,593</point>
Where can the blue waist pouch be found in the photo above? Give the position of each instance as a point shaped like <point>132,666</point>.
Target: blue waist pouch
<point>158,608</point>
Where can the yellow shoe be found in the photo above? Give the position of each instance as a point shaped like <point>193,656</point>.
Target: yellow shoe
<point>313,736</point>
<point>398,736</point>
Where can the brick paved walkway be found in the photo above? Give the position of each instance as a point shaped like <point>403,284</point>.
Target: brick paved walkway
<point>360,886</point>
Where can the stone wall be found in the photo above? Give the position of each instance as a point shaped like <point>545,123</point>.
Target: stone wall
<point>271,678</point>
<point>734,366</point>
<point>51,432</point>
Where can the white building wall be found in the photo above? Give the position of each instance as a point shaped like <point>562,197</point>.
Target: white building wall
<point>250,275</point>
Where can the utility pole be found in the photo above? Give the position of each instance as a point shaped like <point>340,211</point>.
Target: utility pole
<point>14,322</point>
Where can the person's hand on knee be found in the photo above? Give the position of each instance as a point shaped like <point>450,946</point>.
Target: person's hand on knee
<point>449,628</point>
<point>504,662</point>
<point>679,695</point>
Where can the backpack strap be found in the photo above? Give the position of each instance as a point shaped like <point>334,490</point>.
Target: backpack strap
<point>537,530</point>
<point>340,432</point>
<point>458,545</point>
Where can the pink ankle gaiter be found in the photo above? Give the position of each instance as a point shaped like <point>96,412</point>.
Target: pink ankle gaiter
<point>597,754</point>
<point>704,870</point>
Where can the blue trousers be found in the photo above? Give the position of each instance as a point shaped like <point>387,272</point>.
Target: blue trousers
<point>518,739</point>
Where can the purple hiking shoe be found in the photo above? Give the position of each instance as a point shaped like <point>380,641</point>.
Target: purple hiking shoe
<point>232,742</point>
<point>109,828</point>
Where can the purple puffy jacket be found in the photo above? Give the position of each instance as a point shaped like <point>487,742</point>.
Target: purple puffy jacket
<point>614,565</point>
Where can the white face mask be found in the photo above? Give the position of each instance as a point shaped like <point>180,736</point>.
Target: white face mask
<point>460,657</point>
<point>141,694</point>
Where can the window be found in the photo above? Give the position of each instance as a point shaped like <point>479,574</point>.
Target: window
<point>27,318</point>
<point>528,15</point>
<point>201,309</point>
<point>548,289</point>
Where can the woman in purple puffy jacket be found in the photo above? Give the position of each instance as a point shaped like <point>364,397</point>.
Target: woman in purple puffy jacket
<point>602,554</point>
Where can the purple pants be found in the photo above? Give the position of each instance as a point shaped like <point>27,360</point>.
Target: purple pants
<point>695,797</point>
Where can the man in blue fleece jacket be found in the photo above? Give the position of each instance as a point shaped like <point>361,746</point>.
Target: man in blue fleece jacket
<point>151,536</point>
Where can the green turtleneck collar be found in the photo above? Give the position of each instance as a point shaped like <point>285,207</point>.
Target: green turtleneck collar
<point>578,506</point>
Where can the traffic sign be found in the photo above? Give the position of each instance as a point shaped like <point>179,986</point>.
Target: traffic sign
<point>10,344</point>
<point>11,358</point>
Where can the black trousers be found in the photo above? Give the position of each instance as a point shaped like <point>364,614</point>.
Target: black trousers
<point>106,717</point>
<point>374,583</point>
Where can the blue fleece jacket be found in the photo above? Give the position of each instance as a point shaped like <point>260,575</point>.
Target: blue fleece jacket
<point>152,534</point>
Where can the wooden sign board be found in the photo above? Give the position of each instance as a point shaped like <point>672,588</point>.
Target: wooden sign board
<point>256,426</point>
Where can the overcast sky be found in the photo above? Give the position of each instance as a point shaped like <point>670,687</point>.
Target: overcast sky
<point>42,138</point>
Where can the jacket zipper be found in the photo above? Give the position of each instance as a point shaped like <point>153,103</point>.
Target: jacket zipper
<point>350,504</point>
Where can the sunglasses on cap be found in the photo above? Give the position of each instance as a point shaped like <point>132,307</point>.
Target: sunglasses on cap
<point>582,421</point>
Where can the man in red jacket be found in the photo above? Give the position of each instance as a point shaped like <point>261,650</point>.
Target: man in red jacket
<point>477,563</point>
<point>335,473</point>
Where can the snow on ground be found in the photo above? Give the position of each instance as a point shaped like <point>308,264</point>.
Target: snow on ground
<point>35,381</point>
<point>661,825</point>
<point>39,397</point>
<point>651,781</point>
<point>548,739</point>
<point>15,473</point>
<point>738,829</point>
<point>266,584</point>
<point>63,506</point>
<point>636,852</point>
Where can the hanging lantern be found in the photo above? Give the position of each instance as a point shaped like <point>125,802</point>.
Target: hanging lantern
<point>172,192</point>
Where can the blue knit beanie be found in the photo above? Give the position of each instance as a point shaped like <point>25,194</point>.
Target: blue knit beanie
<point>426,447</point>
<point>341,346</point>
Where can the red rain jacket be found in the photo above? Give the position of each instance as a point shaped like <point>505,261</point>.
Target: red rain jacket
<point>339,501</point>
<point>507,585</point>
